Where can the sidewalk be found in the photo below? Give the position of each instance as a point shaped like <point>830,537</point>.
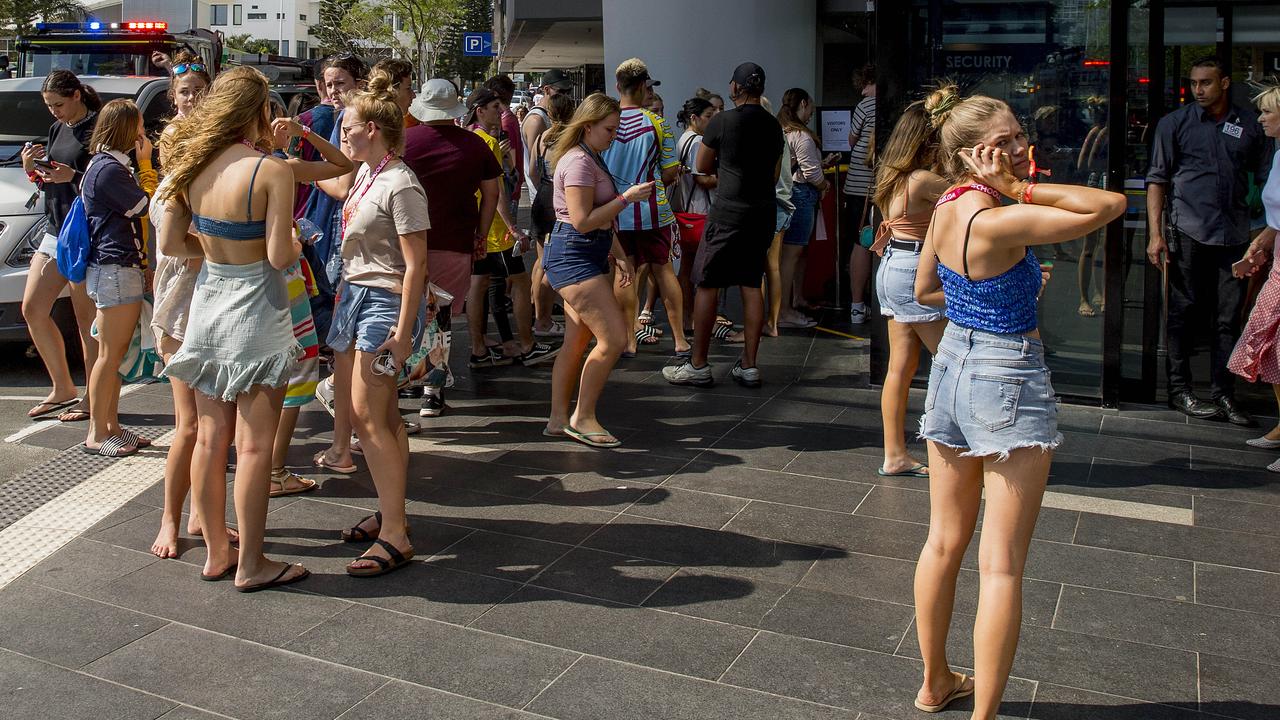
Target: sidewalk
<point>737,558</point>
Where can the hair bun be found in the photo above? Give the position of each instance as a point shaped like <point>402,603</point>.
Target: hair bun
<point>941,102</point>
<point>381,85</point>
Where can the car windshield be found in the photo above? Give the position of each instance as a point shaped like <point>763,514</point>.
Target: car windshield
<point>23,118</point>
<point>122,59</point>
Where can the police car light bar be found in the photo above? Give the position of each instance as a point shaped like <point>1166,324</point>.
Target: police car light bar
<point>96,26</point>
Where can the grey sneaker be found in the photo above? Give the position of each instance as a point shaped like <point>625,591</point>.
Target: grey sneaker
<point>555,330</point>
<point>858,315</point>
<point>686,374</point>
<point>746,377</point>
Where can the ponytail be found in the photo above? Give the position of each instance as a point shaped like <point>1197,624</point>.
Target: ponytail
<point>66,84</point>
<point>693,107</point>
<point>377,103</point>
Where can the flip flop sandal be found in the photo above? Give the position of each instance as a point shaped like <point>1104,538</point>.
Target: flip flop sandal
<point>114,446</point>
<point>278,580</point>
<point>50,407</point>
<point>397,560</point>
<point>646,317</point>
<point>74,416</point>
<point>919,470</point>
<point>647,336</point>
<point>960,692</point>
<point>229,572</point>
<point>322,461</point>
<point>284,477</point>
<point>721,332</point>
<point>586,438</point>
<point>135,438</point>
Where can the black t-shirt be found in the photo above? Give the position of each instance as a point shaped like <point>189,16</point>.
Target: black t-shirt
<point>69,146</point>
<point>748,142</point>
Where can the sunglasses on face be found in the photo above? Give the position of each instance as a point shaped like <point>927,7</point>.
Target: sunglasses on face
<point>189,67</point>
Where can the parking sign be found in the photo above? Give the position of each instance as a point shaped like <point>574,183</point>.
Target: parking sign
<point>478,44</point>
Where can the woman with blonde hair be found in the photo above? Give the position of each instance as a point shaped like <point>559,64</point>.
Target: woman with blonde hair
<point>239,351</point>
<point>378,320</point>
<point>577,261</point>
<point>907,186</point>
<point>990,412</point>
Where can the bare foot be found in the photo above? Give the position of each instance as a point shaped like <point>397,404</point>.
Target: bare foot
<point>1086,310</point>
<point>271,572</point>
<point>166,544</point>
<point>944,687</point>
<point>769,330</point>
<point>903,464</point>
<point>233,537</point>
<point>593,426</point>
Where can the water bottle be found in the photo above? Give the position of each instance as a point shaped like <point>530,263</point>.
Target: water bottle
<point>308,232</point>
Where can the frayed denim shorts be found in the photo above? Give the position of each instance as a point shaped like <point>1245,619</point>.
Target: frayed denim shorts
<point>112,285</point>
<point>990,394</point>
<point>364,318</point>
<point>896,288</point>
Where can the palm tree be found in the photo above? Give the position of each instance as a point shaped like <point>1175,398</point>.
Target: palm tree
<point>24,14</point>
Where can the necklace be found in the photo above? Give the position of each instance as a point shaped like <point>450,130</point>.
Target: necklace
<point>87,117</point>
<point>245,142</point>
<point>349,208</point>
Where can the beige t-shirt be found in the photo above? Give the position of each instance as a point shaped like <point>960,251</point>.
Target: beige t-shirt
<point>394,205</point>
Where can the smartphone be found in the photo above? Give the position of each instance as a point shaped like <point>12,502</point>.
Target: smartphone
<point>44,163</point>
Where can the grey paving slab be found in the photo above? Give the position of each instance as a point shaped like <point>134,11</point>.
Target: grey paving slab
<point>66,629</point>
<point>1229,459</point>
<point>399,700</point>
<point>174,591</point>
<point>855,533</point>
<point>1108,569</point>
<point>841,619</point>
<point>1239,689</point>
<point>688,507</point>
<point>513,516</point>
<point>424,589</point>
<point>1185,625</point>
<point>239,678</point>
<point>632,693</point>
<point>468,662</point>
<point>608,576</point>
<point>723,551</point>
<point>1258,552</point>
<point>850,465</point>
<point>593,490</point>
<point>719,597</point>
<point>756,484</point>
<point>1241,517</point>
<point>1238,588</point>
<point>847,677</point>
<point>1152,452</point>
<point>81,565</point>
<point>1117,667</point>
<point>666,641</point>
<point>910,505</point>
<point>1220,435</point>
<point>183,712</point>
<point>1243,484</point>
<point>31,690</point>
<point>735,449</point>
<point>506,557</point>
<point>1055,702</point>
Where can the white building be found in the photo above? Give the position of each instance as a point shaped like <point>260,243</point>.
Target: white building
<point>283,23</point>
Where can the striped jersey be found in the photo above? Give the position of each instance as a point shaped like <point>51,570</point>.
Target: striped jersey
<point>860,177</point>
<point>644,147</point>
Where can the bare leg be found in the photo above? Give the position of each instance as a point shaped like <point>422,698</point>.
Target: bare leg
<point>752,323</point>
<point>859,272</point>
<point>257,417</point>
<point>85,312</point>
<point>115,331</point>
<point>672,301</point>
<point>773,273</point>
<point>380,427</point>
<point>475,314</point>
<point>567,368</point>
<point>646,284</point>
<point>904,358</point>
<point>1084,273</point>
<point>686,284</point>
<point>591,305</point>
<point>955,490</point>
<point>543,296</point>
<point>177,466</point>
<point>1014,489</point>
<point>523,305</point>
<point>217,421</point>
<point>44,283</point>
<point>705,301</point>
<point>339,452</point>
<point>1275,432</point>
<point>627,299</point>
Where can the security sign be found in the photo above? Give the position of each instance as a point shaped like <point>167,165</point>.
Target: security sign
<point>478,44</point>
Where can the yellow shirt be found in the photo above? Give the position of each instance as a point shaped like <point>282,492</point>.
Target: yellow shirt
<point>499,239</point>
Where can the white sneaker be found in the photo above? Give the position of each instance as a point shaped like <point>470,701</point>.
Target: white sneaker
<point>556,330</point>
<point>324,393</point>
<point>746,377</point>
<point>858,314</point>
<point>686,374</point>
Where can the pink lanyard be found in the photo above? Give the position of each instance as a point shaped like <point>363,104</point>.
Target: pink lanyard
<point>349,208</point>
<point>957,192</point>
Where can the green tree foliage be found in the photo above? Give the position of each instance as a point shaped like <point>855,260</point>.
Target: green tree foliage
<point>356,26</point>
<point>476,16</point>
<point>25,13</point>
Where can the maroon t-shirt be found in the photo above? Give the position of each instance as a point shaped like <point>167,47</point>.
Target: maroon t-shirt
<point>450,162</point>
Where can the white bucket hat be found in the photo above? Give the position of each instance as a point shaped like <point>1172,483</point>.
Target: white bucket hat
<point>437,101</point>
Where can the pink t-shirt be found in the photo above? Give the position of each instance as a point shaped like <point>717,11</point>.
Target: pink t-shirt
<point>578,169</point>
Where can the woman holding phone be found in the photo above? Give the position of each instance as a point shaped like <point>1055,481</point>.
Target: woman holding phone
<point>56,172</point>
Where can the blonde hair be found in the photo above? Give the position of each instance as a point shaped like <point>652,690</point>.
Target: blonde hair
<point>236,108</point>
<point>117,127</point>
<point>631,75</point>
<point>594,109</point>
<point>377,104</point>
<point>1268,99</point>
<point>961,123</point>
<point>913,145</point>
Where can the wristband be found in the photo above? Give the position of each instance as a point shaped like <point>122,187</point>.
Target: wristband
<point>1027,190</point>
<point>33,177</point>
<point>622,200</point>
<point>306,133</point>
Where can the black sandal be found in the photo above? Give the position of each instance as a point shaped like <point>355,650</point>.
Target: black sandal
<point>397,561</point>
<point>356,533</point>
<point>278,580</point>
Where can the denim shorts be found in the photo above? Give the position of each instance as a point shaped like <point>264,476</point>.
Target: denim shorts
<point>805,197</point>
<point>112,285</point>
<point>570,257</point>
<point>990,394</point>
<point>782,220</point>
<point>49,245</point>
<point>896,288</point>
<point>365,316</point>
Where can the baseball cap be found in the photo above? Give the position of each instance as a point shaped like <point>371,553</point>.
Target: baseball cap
<point>556,79</point>
<point>749,75</point>
<point>437,101</point>
<point>481,96</point>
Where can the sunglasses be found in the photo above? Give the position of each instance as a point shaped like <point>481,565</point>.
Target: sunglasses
<point>189,67</point>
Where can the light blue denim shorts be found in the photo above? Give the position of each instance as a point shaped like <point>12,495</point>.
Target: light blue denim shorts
<point>990,394</point>
<point>896,288</point>
<point>782,219</point>
<point>112,285</point>
<point>365,316</point>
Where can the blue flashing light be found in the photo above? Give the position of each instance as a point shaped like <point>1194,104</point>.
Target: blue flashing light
<point>95,26</point>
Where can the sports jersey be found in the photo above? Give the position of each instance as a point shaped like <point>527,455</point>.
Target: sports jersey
<point>644,147</point>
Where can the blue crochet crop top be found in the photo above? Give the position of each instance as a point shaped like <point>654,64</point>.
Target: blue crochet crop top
<point>1005,304</point>
<point>234,229</point>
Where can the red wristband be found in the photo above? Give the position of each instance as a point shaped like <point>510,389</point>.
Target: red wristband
<point>306,133</point>
<point>1026,193</point>
<point>32,176</point>
<point>622,200</point>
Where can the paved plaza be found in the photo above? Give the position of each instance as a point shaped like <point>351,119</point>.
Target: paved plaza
<point>738,558</point>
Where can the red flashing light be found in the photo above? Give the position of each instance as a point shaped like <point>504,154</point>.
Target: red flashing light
<point>1144,81</point>
<point>147,26</point>
<point>1097,63</point>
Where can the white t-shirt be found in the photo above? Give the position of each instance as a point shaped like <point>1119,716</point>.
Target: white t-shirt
<point>394,205</point>
<point>1271,195</point>
<point>698,200</point>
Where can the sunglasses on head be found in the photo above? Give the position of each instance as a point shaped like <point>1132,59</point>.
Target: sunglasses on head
<point>189,67</point>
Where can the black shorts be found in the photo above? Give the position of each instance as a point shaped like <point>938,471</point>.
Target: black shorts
<point>734,254</point>
<point>500,264</point>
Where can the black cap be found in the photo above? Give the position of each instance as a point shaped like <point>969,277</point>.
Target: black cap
<point>556,79</point>
<point>481,96</point>
<point>749,75</point>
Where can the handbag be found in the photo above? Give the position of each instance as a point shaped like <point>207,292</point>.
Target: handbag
<point>691,224</point>
<point>866,233</point>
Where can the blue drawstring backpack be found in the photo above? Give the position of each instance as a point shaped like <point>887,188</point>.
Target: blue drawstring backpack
<point>73,243</point>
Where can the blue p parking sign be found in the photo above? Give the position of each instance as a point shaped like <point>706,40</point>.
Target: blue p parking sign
<point>478,44</point>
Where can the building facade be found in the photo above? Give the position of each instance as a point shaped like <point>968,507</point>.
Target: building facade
<point>283,23</point>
